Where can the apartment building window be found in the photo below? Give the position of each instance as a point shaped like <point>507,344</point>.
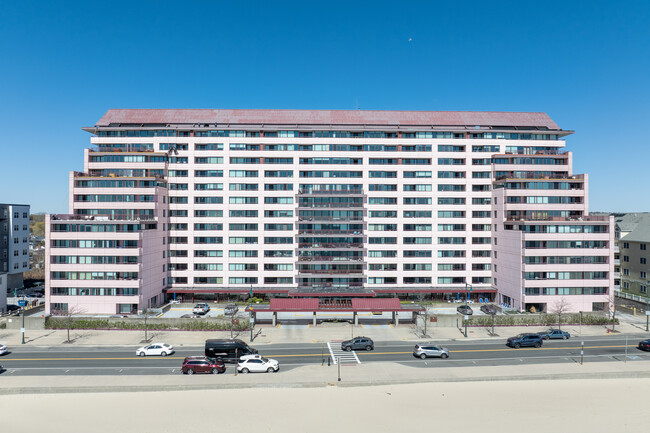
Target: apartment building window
<point>382,266</point>
<point>643,260</point>
<point>643,289</point>
<point>626,258</point>
<point>16,215</point>
<point>242,200</point>
<point>626,285</point>
<point>242,253</point>
<point>380,253</point>
<point>626,245</point>
<point>643,275</point>
<point>383,214</point>
<point>242,267</point>
<point>384,174</point>
<point>208,240</point>
<point>451,266</point>
<point>626,272</point>
<point>642,247</point>
<point>242,280</point>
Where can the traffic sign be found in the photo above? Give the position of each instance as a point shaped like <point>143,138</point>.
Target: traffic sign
<point>22,303</point>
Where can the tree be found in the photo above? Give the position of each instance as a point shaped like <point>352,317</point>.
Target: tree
<point>147,312</point>
<point>73,310</point>
<point>561,307</point>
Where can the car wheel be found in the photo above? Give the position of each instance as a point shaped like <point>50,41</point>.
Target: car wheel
<point>190,371</point>
<point>565,337</point>
<point>368,348</point>
<point>517,345</point>
<point>423,356</point>
<point>538,345</point>
<point>215,371</point>
<point>269,370</point>
<point>163,354</point>
<point>141,354</point>
<point>444,356</point>
<point>546,337</point>
<point>245,370</point>
<point>349,348</point>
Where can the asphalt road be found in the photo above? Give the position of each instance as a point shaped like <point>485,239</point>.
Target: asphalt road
<point>58,360</point>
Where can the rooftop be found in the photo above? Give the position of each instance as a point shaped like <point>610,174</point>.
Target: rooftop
<point>641,233</point>
<point>224,117</point>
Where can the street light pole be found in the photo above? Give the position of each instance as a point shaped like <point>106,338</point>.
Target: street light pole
<point>250,312</point>
<point>22,330</point>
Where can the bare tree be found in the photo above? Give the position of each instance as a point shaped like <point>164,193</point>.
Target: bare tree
<point>71,311</point>
<point>561,307</point>
<point>147,312</point>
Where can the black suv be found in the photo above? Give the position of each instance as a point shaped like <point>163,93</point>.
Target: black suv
<point>358,343</point>
<point>525,340</point>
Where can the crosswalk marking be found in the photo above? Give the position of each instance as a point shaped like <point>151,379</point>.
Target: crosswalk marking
<point>349,358</point>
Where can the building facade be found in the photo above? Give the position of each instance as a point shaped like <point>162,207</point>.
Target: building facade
<point>14,248</point>
<point>635,257</point>
<point>292,203</point>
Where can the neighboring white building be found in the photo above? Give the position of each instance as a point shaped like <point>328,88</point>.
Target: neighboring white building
<point>14,247</point>
<point>286,202</point>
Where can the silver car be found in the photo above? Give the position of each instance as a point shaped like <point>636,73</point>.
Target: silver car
<point>426,350</point>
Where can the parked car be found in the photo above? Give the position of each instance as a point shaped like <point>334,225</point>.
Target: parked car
<point>489,309</point>
<point>201,308</point>
<point>3,349</point>
<point>554,334</point>
<point>257,364</point>
<point>358,343</point>
<point>644,345</point>
<point>426,350</point>
<point>174,301</point>
<point>161,349</point>
<point>230,309</point>
<point>202,364</point>
<point>525,340</point>
<point>465,310</point>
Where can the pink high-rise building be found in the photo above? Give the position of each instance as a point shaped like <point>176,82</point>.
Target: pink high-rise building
<point>323,203</point>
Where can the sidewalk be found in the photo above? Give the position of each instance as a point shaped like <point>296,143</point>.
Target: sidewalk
<point>317,376</point>
<point>279,335</point>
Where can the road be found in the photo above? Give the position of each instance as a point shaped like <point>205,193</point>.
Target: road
<point>59,360</point>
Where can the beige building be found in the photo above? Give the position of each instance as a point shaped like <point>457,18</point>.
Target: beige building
<point>635,256</point>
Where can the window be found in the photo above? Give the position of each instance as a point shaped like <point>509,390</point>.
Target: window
<point>643,260</point>
<point>642,247</point>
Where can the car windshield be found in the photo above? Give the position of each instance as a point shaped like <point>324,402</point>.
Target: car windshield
<point>519,336</point>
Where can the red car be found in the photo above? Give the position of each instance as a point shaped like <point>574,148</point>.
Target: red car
<point>202,364</point>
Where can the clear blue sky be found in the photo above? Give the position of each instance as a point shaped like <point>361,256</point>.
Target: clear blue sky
<point>585,63</point>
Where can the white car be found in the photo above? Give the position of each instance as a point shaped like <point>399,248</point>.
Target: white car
<point>257,364</point>
<point>3,349</point>
<point>161,349</point>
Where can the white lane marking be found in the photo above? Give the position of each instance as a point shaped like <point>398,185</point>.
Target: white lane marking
<point>343,356</point>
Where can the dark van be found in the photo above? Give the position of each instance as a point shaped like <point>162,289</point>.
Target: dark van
<point>227,350</point>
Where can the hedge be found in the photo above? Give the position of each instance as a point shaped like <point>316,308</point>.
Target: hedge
<point>540,320</point>
<point>191,325</point>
